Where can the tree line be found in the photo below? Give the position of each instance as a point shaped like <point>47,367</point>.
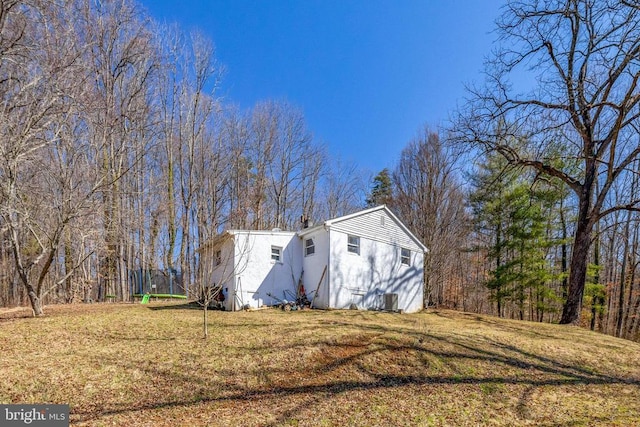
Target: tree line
<point>552,193</point>
<point>572,126</point>
<point>501,237</point>
<point>117,155</point>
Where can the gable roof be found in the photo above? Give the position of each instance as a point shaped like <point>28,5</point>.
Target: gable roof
<point>330,222</point>
<point>221,238</point>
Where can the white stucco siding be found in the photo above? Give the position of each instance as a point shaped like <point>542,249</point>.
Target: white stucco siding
<point>364,278</point>
<point>379,226</point>
<point>223,273</point>
<point>314,265</point>
<point>410,284</point>
<point>258,278</point>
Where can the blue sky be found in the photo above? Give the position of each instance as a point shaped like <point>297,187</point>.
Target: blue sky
<point>368,75</point>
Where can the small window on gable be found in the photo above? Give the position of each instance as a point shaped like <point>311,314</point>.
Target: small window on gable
<point>276,253</point>
<point>309,247</point>
<point>218,257</point>
<point>405,256</point>
<point>353,244</point>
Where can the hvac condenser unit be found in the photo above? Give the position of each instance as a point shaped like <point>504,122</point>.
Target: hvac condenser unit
<point>391,302</point>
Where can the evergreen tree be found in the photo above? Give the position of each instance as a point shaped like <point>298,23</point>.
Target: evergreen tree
<point>381,191</point>
<point>513,214</point>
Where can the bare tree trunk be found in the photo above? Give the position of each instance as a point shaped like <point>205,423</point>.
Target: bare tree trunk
<point>635,323</point>
<point>631,258</point>
<point>580,253</point>
<point>623,278</point>
<point>564,256</point>
<point>70,289</point>
<point>36,302</point>
<point>596,261</point>
<point>205,322</point>
<point>633,310</point>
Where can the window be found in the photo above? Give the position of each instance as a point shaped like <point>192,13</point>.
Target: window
<point>405,256</point>
<point>309,247</point>
<point>218,257</point>
<point>353,244</point>
<point>276,253</point>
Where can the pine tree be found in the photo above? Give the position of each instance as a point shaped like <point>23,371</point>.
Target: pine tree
<point>381,192</point>
<point>513,214</point>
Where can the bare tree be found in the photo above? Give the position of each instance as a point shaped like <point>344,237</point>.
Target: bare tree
<point>123,61</point>
<point>237,189</point>
<point>262,139</point>
<point>342,190</point>
<point>195,112</point>
<point>292,146</point>
<point>48,183</point>
<point>583,56</point>
<point>223,260</point>
<point>427,196</point>
<point>274,166</point>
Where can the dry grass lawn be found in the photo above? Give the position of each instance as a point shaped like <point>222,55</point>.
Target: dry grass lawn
<point>137,365</point>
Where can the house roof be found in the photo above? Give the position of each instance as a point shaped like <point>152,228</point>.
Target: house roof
<point>218,241</point>
<point>262,232</point>
<point>215,242</point>
<point>330,222</point>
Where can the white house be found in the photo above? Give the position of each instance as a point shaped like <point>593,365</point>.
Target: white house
<point>368,258</point>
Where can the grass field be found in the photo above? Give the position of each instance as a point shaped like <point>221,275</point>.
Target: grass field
<point>135,365</point>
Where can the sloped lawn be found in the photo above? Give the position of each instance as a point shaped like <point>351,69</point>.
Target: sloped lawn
<point>136,365</point>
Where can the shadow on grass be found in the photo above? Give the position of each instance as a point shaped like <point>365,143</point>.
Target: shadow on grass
<point>175,306</point>
<point>519,326</point>
<point>15,314</point>
<point>324,378</point>
<point>314,393</point>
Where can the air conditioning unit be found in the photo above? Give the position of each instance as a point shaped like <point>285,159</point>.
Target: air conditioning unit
<point>391,302</point>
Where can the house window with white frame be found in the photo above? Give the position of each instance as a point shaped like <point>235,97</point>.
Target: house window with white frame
<point>218,257</point>
<point>353,244</point>
<point>405,256</point>
<point>276,253</point>
<point>309,247</point>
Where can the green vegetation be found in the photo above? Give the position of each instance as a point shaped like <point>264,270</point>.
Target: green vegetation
<point>134,365</point>
<point>162,296</point>
<point>382,189</point>
<point>520,228</point>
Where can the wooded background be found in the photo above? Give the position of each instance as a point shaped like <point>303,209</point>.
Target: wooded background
<point>117,156</point>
